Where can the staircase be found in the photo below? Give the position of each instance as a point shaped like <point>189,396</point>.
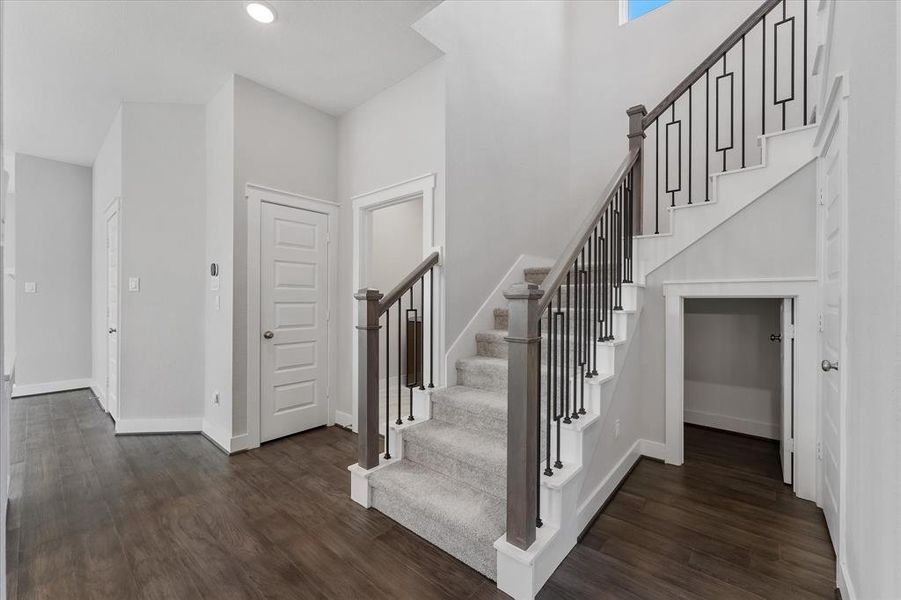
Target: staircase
<point>494,470</point>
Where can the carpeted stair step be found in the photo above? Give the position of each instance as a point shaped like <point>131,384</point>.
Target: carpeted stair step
<point>501,318</point>
<point>471,408</point>
<point>460,520</point>
<point>492,343</point>
<point>535,274</point>
<point>483,372</point>
<point>478,459</point>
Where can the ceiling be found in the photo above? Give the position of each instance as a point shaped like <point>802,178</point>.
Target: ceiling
<point>68,65</point>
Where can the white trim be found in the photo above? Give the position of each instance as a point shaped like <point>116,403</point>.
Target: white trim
<point>220,438</point>
<point>605,489</point>
<point>51,387</point>
<point>804,291</point>
<point>419,188</point>
<point>771,431</point>
<point>843,581</point>
<point>344,419</point>
<point>255,195</point>
<point>178,425</point>
<point>483,320</point>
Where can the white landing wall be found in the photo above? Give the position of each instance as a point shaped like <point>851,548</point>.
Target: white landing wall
<point>732,369</point>
<point>53,237</point>
<point>279,143</point>
<point>107,173</point>
<point>396,136</point>
<point>162,325</point>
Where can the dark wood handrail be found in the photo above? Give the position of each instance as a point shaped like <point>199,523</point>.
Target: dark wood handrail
<point>711,60</point>
<point>557,274</point>
<point>407,282</point>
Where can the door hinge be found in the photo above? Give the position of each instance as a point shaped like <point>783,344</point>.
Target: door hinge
<point>790,442</point>
<point>820,200</point>
<point>328,315</point>
<point>819,450</point>
<point>820,322</point>
<point>328,237</point>
<point>790,331</point>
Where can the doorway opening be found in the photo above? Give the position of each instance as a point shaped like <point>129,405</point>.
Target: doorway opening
<point>739,378</point>
<point>113,294</point>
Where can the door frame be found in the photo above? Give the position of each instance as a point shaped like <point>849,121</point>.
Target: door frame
<point>114,207</point>
<point>805,417</point>
<point>420,188</point>
<point>256,195</point>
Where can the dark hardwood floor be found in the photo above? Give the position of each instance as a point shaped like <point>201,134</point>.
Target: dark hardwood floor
<point>721,526</point>
<point>97,516</point>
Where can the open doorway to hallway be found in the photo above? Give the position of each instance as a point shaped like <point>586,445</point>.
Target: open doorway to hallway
<point>739,369</point>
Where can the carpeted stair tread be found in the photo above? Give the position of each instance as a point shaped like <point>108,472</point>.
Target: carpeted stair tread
<point>478,459</point>
<point>455,517</point>
<point>483,372</point>
<point>478,410</point>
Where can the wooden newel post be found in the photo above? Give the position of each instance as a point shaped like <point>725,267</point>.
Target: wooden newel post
<point>368,378</point>
<point>522,413</point>
<point>636,140</point>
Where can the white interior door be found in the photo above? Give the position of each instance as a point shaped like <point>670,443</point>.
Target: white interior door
<point>293,319</point>
<point>833,198</point>
<point>112,313</point>
<point>786,349</point>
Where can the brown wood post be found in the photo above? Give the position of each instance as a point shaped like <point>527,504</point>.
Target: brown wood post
<point>522,413</point>
<point>636,140</point>
<point>368,378</point>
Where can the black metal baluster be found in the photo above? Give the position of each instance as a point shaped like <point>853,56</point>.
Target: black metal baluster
<point>743,101</point>
<point>763,78</point>
<point>619,254</point>
<point>595,294</point>
<point>566,334</point>
<point>607,273</point>
<point>630,214</point>
<point>550,360</point>
<point>558,376</point>
<point>707,138</point>
<point>387,382</point>
<point>589,318</point>
<point>400,361</point>
<point>672,120</point>
<point>792,74</point>
<point>585,329</point>
<point>731,109</point>
<point>804,74</point>
<point>577,331</point>
<point>657,176</point>
<point>412,383</point>
<point>420,335</point>
<point>431,327</point>
<point>689,143</point>
<point>538,522</point>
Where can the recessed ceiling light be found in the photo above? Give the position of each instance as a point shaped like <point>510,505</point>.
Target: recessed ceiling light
<point>261,12</point>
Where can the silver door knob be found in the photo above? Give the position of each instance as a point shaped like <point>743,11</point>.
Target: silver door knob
<point>829,366</point>
<point>775,337</point>
<point>112,330</point>
<point>268,335</point>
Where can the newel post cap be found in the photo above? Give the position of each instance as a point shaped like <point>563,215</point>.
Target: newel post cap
<point>638,109</point>
<point>368,294</point>
<point>524,291</point>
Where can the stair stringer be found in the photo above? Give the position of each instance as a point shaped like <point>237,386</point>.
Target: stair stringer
<point>522,573</point>
<point>784,153</point>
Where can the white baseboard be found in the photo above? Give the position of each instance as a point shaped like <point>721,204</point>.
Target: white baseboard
<point>483,320</point>
<point>99,394</point>
<point>737,424</point>
<point>134,426</point>
<point>344,419</point>
<point>34,389</point>
<point>652,449</point>
<point>589,508</point>
<point>844,582</point>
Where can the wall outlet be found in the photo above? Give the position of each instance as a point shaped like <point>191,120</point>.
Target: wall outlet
<point>31,287</point>
<point>616,427</point>
<point>134,284</point>
<point>216,398</point>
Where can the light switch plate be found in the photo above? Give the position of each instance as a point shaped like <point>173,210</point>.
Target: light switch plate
<point>134,284</point>
<point>31,287</point>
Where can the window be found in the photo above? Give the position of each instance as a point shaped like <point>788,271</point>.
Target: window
<point>632,9</point>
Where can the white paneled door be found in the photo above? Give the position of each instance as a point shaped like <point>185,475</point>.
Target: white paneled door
<point>293,320</point>
<point>112,312</point>
<point>833,199</point>
<point>787,358</point>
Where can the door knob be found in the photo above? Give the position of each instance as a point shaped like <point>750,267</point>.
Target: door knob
<point>112,330</point>
<point>775,337</point>
<point>829,366</point>
<point>268,335</point>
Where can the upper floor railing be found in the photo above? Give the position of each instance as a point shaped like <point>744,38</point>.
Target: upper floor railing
<point>573,310</point>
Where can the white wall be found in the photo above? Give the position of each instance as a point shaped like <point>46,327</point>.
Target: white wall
<point>395,244</point>
<point>732,369</point>
<point>163,207</point>
<point>219,226</point>
<point>865,47</point>
<point>536,101</point>
<point>107,185</point>
<point>396,136</point>
<point>279,143</point>
<point>53,237</point>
